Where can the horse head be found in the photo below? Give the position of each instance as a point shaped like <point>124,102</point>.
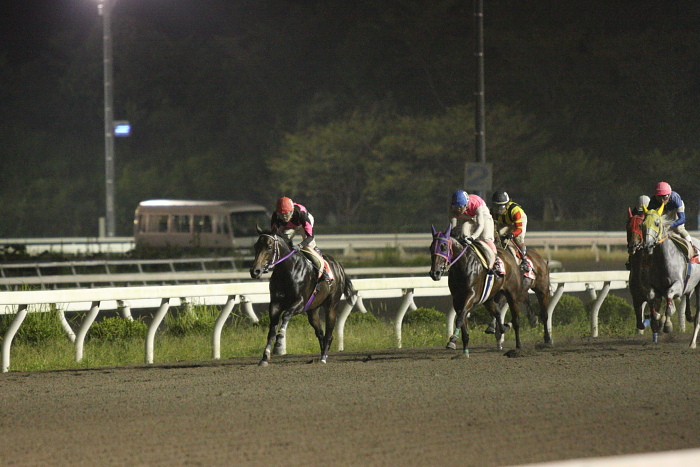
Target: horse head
<point>440,253</point>
<point>634,231</point>
<point>269,249</point>
<point>653,228</point>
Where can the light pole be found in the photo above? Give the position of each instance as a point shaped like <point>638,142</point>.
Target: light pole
<point>104,8</point>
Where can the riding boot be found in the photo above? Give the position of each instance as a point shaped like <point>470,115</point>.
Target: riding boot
<point>524,266</point>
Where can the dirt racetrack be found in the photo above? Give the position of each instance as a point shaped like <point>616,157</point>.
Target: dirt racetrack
<point>580,399</point>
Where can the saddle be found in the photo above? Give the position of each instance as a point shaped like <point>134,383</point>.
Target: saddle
<point>316,258</point>
<point>685,247</point>
<point>485,254</point>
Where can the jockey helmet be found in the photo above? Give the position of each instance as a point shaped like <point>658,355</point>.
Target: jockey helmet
<point>500,197</point>
<point>643,201</point>
<point>284,205</point>
<point>662,188</point>
<point>460,198</point>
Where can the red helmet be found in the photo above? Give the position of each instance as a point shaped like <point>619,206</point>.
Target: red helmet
<point>663,188</point>
<point>284,205</point>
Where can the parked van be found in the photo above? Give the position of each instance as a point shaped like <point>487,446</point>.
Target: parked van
<point>198,224</point>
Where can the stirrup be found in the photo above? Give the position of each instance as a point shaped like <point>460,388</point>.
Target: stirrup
<point>525,267</point>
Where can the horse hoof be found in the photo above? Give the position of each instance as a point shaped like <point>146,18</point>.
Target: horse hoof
<point>655,337</point>
<point>451,346</point>
<point>263,363</point>
<point>668,326</point>
<point>646,323</point>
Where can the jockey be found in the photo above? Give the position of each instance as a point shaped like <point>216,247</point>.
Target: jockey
<point>511,222</point>
<point>674,210</point>
<point>291,218</point>
<point>638,210</point>
<point>470,219</point>
<point>642,205</point>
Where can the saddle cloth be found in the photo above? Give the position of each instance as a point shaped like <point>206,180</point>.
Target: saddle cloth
<point>686,248</point>
<point>518,259</point>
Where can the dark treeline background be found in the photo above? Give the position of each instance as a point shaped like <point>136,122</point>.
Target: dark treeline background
<point>361,110</point>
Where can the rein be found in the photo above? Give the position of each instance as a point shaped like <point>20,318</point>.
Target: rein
<point>448,257</point>
<point>276,254</point>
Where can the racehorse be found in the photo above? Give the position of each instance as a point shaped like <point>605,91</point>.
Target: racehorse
<point>640,263</point>
<point>471,284</point>
<point>671,275</point>
<point>295,288</point>
<point>539,285</point>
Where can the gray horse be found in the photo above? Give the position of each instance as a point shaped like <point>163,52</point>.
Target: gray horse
<point>671,275</point>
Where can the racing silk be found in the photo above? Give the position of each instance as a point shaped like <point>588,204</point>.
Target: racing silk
<point>476,216</point>
<point>674,211</point>
<point>299,222</point>
<point>514,217</point>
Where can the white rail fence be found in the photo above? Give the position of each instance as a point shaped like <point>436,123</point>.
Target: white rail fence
<point>348,244</point>
<point>96,300</point>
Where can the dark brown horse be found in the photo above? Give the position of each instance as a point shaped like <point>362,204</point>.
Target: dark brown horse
<point>538,282</point>
<point>295,288</point>
<point>471,284</point>
<point>639,264</point>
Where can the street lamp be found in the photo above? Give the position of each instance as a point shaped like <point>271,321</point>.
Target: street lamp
<point>104,8</point>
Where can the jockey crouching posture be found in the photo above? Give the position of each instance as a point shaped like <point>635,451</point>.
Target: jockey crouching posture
<point>471,219</point>
<point>674,211</point>
<point>290,218</point>
<point>511,222</point>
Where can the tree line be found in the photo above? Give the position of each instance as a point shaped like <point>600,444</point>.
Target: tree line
<point>361,111</point>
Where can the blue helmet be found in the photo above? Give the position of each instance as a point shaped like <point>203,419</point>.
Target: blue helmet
<point>460,198</point>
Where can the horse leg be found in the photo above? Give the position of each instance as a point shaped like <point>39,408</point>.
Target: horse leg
<point>274,312</point>
<point>315,322</point>
<point>281,337</point>
<point>465,338</point>
<point>461,306</point>
<point>670,310</point>
<point>515,315</point>
<point>331,318</point>
<point>543,300</point>
<point>696,329</point>
<point>498,310</point>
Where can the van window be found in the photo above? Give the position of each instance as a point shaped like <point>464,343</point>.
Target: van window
<point>181,224</point>
<point>243,223</point>
<point>158,223</point>
<point>202,224</point>
<point>221,225</point>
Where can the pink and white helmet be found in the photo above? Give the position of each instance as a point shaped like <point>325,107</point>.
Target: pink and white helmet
<point>662,188</point>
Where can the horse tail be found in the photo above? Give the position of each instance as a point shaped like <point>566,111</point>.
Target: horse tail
<point>349,290</point>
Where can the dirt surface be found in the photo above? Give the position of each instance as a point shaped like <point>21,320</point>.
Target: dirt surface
<point>579,399</point>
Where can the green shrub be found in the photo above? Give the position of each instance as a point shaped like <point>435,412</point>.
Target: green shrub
<point>613,310</point>
<point>37,327</point>
<point>569,310</point>
<point>117,329</point>
<point>423,316</point>
<point>364,318</point>
<point>199,319</point>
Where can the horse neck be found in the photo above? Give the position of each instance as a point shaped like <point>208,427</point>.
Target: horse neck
<point>466,261</point>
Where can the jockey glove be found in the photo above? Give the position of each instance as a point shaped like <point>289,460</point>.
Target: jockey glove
<point>297,247</point>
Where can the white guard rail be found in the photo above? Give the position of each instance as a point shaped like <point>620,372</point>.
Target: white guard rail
<point>335,242</point>
<point>598,284</point>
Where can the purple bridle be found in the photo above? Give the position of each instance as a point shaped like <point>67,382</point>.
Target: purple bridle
<point>440,239</point>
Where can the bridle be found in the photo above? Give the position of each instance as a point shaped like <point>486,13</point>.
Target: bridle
<point>275,260</point>
<point>634,227</point>
<point>442,247</point>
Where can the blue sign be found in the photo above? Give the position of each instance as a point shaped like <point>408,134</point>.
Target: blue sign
<point>122,128</point>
